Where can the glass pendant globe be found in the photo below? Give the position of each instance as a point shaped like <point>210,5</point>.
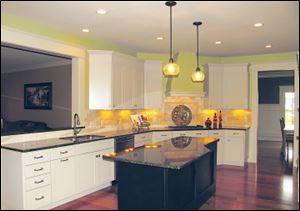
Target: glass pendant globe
<point>198,76</point>
<point>171,69</point>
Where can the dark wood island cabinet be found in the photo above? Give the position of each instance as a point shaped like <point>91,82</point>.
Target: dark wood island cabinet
<point>175,174</point>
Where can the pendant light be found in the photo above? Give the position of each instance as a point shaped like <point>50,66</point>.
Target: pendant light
<point>198,75</point>
<point>171,69</point>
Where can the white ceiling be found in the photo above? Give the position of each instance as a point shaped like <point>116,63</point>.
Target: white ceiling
<point>136,24</point>
<point>15,60</point>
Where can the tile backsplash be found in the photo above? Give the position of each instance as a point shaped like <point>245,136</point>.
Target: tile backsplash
<point>120,119</point>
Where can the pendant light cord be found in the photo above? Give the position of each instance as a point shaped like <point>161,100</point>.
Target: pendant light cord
<point>171,37</point>
<point>198,47</point>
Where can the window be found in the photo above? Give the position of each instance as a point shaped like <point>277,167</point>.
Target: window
<point>289,109</point>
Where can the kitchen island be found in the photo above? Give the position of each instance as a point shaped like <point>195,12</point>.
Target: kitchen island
<point>175,174</point>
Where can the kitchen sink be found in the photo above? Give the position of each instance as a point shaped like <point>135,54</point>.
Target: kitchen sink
<point>83,138</point>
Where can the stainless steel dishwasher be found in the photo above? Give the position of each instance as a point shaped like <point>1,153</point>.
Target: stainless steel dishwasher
<point>122,143</point>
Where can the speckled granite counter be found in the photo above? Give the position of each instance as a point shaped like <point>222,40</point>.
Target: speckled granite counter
<point>174,153</point>
<point>57,142</point>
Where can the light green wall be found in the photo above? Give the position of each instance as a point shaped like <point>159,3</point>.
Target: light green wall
<point>186,60</point>
<point>263,58</point>
<point>40,29</point>
<point>187,63</point>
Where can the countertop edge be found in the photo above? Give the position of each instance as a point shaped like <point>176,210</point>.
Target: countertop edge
<point>7,147</point>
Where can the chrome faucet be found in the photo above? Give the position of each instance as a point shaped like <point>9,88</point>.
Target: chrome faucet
<point>75,124</point>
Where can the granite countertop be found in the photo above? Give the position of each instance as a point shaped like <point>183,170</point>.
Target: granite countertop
<point>174,153</point>
<point>57,142</point>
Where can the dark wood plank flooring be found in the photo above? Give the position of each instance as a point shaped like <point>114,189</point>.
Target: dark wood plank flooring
<point>269,185</point>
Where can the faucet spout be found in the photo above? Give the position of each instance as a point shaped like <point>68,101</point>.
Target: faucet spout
<point>76,123</point>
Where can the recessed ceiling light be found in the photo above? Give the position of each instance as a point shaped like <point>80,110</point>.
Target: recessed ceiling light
<point>159,38</point>
<point>85,30</point>
<point>268,46</point>
<point>258,25</point>
<point>101,12</point>
<point>218,42</point>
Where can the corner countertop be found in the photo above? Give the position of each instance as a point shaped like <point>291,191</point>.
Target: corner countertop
<point>174,153</point>
<point>57,142</point>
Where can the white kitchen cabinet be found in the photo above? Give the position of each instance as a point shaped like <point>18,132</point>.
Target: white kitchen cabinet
<point>116,81</point>
<point>38,198</point>
<point>142,139</point>
<point>213,85</point>
<point>161,136</point>
<point>63,178</point>
<point>138,85</point>
<point>234,148</point>
<point>219,134</point>
<point>84,172</point>
<point>191,133</point>
<point>227,86</point>
<point>153,92</point>
<point>236,86</point>
<point>104,170</point>
<point>44,179</point>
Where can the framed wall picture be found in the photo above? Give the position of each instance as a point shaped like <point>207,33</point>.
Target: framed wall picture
<point>38,96</point>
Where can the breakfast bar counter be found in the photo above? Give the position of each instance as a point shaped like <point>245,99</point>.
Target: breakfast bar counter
<point>174,174</point>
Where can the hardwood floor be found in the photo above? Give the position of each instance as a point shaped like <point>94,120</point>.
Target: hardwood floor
<point>269,185</point>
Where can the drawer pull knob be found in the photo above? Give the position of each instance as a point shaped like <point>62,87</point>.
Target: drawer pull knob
<point>235,133</point>
<point>65,160</point>
<point>65,152</point>
<point>163,134</point>
<point>40,198</point>
<point>40,169</point>
<point>39,182</point>
<point>39,157</point>
<point>98,156</point>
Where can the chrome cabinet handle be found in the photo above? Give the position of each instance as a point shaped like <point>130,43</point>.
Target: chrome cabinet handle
<point>164,135</point>
<point>65,160</point>
<point>40,169</point>
<point>65,152</point>
<point>235,133</point>
<point>183,134</point>
<point>38,182</point>
<point>40,198</point>
<point>39,157</point>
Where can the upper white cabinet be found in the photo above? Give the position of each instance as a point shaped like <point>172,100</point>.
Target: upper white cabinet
<point>116,81</point>
<point>227,86</point>
<point>153,97</point>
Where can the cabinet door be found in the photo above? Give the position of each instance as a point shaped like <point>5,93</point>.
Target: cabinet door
<point>63,178</point>
<point>138,85</point>
<point>214,85</point>
<point>220,148</point>
<point>84,172</point>
<point>234,148</point>
<point>235,86</point>
<point>153,92</point>
<point>104,170</point>
<point>117,83</point>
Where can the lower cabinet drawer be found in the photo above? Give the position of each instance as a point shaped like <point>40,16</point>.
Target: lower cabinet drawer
<point>161,136</point>
<point>37,169</point>
<point>37,182</point>
<point>38,198</point>
<point>36,157</point>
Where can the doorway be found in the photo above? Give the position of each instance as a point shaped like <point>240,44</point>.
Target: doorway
<point>276,101</point>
